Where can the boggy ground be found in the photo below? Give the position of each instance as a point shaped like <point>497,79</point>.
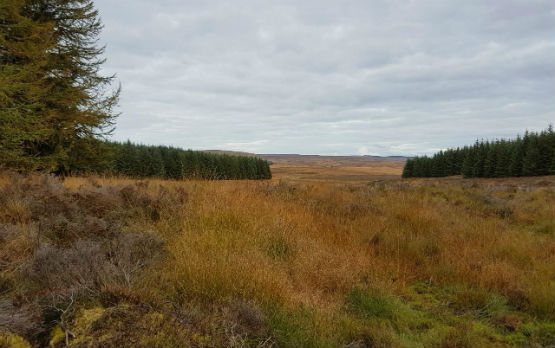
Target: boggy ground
<point>105,262</point>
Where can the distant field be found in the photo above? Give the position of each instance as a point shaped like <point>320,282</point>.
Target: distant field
<point>301,168</point>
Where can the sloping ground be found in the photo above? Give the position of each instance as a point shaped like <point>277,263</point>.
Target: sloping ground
<point>93,262</point>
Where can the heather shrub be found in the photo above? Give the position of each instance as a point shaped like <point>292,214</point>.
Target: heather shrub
<point>19,318</point>
<point>64,247</point>
<point>247,319</point>
<point>88,266</point>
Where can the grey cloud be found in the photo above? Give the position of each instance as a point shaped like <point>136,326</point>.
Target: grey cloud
<point>330,77</point>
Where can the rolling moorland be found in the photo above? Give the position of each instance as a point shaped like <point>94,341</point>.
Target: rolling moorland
<point>316,257</point>
<point>106,244</point>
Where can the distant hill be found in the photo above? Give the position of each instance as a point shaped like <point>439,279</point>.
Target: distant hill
<point>330,156</point>
<point>330,161</point>
<point>297,157</point>
<point>389,157</point>
<point>232,153</point>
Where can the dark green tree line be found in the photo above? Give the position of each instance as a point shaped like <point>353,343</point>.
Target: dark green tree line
<point>530,155</point>
<point>166,162</point>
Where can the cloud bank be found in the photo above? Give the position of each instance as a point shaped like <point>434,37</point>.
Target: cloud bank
<point>330,77</point>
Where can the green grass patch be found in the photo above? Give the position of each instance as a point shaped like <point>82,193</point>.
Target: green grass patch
<point>303,327</point>
<point>370,305</point>
<point>277,248</point>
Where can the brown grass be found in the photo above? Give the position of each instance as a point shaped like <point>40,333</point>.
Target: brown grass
<point>334,169</point>
<point>291,262</point>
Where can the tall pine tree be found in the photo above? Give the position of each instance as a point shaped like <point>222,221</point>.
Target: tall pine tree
<point>24,47</point>
<point>51,46</point>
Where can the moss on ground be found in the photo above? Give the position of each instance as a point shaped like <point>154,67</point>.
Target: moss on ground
<point>9,340</point>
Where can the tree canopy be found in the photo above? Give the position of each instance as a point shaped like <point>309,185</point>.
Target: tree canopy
<point>166,162</point>
<point>530,155</point>
<point>52,95</point>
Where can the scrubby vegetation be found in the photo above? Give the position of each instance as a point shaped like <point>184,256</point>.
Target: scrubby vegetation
<point>531,155</point>
<point>93,262</point>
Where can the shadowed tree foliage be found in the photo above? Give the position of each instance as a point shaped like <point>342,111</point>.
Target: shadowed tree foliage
<point>531,155</point>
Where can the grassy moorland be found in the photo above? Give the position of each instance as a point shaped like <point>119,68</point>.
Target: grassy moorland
<point>89,262</point>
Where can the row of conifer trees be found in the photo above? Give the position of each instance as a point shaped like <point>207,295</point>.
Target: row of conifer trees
<point>530,155</point>
<point>134,160</point>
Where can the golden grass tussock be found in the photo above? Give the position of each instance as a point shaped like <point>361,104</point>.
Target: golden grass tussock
<point>393,263</point>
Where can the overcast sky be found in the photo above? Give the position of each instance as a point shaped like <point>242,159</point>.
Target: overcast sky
<point>330,77</point>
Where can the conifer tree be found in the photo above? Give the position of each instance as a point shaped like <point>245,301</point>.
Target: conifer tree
<point>53,99</point>
<point>534,154</point>
<point>24,44</point>
<point>517,155</point>
<point>79,103</point>
<point>490,162</point>
<point>480,158</point>
<point>550,146</point>
<point>503,160</point>
<point>469,163</point>
<point>532,157</point>
<point>546,151</point>
<point>408,169</point>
